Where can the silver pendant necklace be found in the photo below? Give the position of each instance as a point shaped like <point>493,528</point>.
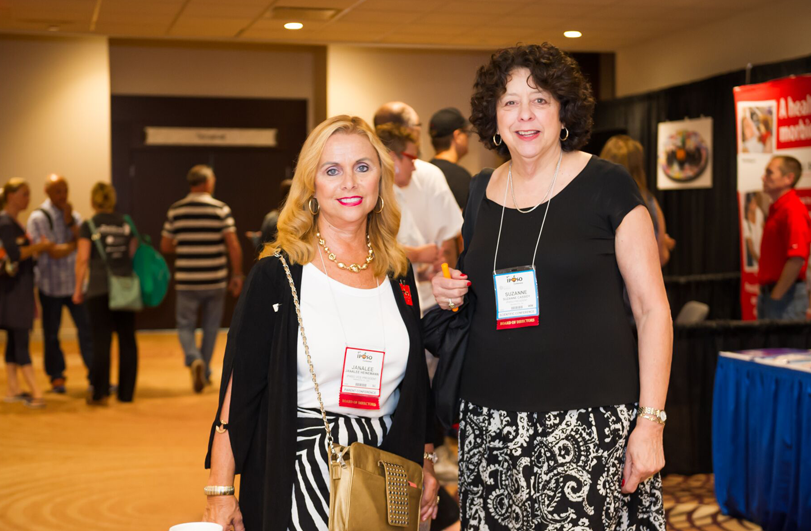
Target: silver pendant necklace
<point>512,189</point>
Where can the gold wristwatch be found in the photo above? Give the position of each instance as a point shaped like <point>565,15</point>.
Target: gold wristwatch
<point>656,415</point>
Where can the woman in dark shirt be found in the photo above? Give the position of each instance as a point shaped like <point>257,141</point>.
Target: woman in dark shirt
<point>116,236</point>
<point>17,291</point>
<point>551,436</point>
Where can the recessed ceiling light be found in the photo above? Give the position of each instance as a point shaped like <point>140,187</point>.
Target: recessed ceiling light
<point>293,25</point>
<point>572,34</point>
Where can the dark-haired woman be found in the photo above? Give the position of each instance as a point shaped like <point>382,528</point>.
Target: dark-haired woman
<point>561,414</point>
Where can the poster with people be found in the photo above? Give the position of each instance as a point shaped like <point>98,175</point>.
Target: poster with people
<point>773,119</point>
<point>684,154</point>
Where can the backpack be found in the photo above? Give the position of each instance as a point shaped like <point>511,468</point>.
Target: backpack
<point>151,269</point>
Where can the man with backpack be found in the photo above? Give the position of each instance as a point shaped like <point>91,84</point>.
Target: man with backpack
<point>56,221</point>
<point>202,233</point>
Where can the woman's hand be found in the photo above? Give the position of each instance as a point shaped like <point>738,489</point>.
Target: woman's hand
<point>224,510</point>
<point>644,456</point>
<point>78,297</point>
<point>450,289</point>
<point>430,492</point>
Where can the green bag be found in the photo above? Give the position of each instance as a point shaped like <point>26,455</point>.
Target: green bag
<point>151,268</point>
<point>125,290</point>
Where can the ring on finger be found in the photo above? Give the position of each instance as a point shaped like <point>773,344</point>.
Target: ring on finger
<point>437,500</point>
<point>451,305</point>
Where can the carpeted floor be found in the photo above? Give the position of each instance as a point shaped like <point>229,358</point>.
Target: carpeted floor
<point>139,466</point>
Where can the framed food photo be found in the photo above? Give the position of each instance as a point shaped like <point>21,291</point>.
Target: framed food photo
<point>684,154</point>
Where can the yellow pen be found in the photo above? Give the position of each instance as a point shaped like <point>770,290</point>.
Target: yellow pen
<point>446,272</point>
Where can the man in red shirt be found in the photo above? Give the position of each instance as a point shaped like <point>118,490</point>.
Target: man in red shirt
<point>785,245</point>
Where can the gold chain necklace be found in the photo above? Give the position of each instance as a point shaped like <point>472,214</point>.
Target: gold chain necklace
<point>355,268</point>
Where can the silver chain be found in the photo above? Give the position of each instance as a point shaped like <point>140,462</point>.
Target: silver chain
<point>330,440</point>
<point>512,188</point>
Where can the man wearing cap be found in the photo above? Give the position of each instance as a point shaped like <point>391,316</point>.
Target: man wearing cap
<point>55,220</point>
<point>784,248</point>
<point>449,135</point>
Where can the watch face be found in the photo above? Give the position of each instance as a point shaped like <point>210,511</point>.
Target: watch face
<point>663,416</point>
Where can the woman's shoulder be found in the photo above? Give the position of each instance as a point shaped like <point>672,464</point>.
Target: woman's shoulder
<point>607,170</point>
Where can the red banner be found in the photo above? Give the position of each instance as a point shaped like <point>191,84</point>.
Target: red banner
<point>772,119</point>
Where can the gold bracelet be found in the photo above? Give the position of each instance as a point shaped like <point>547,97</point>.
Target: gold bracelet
<point>218,491</point>
<point>651,418</point>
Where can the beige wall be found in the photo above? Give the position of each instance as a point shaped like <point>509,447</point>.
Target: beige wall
<point>769,34</point>
<point>360,79</point>
<point>166,68</point>
<point>55,113</point>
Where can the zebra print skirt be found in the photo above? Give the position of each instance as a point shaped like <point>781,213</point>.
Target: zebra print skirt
<point>311,489</point>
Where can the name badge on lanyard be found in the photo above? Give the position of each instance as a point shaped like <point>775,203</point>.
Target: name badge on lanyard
<point>516,297</point>
<point>517,287</point>
<point>362,378</point>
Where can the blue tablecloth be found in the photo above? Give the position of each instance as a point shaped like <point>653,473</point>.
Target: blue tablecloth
<point>762,443</point>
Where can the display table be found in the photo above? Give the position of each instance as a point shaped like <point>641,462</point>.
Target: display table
<point>761,444</point>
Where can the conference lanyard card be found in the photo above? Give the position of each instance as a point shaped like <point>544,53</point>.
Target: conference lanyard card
<point>362,378</point>
<point>516,297</point>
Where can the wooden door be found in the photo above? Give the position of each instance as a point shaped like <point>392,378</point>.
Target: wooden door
<point>149,179</point>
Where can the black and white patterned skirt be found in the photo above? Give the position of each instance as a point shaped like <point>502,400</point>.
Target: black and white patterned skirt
<point>311,489</point>
<point>553,471</point>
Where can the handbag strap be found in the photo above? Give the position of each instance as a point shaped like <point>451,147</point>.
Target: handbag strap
<point>334,454</point>
<point>131,223</point>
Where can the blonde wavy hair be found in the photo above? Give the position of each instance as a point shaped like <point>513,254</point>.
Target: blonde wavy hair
<point>625,151</point>
<point>297,226</point>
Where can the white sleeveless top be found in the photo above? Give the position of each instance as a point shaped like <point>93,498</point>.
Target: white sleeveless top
<point>367,319</point>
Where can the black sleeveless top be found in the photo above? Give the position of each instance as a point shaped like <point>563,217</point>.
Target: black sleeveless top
<point>583,353</point>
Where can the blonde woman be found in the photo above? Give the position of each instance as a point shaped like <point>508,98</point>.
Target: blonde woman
<point>338,232</point>
<point>627,152</point>
<point>115,235</point>
<point>17,291</point>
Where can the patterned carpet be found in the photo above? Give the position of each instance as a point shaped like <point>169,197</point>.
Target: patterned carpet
<point>690,506</point>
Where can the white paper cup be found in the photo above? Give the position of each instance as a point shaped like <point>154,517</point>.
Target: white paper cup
<point>196,526</point>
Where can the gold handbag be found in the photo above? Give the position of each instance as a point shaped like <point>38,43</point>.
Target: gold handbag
<point>370,489</point>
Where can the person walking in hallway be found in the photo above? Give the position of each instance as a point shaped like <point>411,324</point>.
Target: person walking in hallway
<point>201,232</point>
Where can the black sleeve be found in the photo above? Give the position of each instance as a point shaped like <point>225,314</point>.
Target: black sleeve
<point>9,238</point>
<point>247,355</point>
<point>621,195</point>
<point>84,231</point>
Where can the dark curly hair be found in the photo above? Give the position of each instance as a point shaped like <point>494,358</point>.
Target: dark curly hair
<point>552,70</point>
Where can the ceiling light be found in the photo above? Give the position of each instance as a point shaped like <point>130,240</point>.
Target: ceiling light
<point>572,34</point>
<point>53,27</point>
<point>293,25</point>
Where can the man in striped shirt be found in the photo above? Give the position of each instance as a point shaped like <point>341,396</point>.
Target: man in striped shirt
<point>202,233</point>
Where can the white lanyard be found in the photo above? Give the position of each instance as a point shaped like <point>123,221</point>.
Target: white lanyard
<point>543,222</point>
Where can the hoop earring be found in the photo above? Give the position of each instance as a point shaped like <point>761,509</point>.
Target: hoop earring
<point>567,134</point>
<point>500,141</point>
<point>310,206</point>
<point>382,204</point>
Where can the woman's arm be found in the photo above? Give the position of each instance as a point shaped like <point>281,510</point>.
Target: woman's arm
<point>636,252</point>
<point>34,249</point>
<point>82,258</point>
<point>666,243</point>
<point>223,510</point>
<point>133,246</point>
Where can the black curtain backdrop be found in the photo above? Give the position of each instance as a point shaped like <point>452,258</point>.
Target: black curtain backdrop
<point>703,222</point>
<point>688,436</point>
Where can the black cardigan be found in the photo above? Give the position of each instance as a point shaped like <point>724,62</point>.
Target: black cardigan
<point>261,353</point>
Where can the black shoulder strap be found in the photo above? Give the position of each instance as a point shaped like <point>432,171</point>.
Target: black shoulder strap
<point>478,189</point>
<point>48,215</point>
